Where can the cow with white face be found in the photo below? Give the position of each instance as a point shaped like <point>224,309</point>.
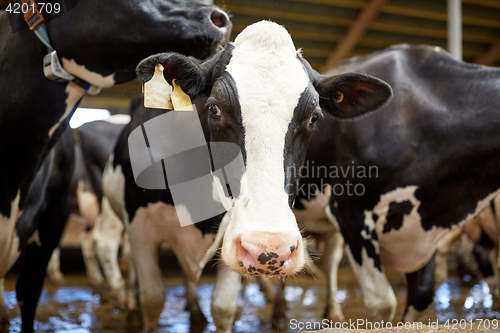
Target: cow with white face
<point>265,98</point>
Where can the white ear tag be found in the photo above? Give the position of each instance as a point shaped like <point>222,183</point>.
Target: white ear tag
<point>157,91</point>
<point>180,100</point>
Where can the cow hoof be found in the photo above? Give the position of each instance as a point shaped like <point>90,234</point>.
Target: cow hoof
<point>56,278</point>
<point>279,322</point>
<point>106,296</point>
<point>134,318</point>
<point>198,319</point>
<point>334,314</point>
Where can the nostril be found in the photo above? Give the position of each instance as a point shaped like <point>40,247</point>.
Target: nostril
<point>218,18</point>
<point>245,256</point>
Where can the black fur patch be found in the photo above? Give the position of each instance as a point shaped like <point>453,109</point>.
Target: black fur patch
<point>397,210</point>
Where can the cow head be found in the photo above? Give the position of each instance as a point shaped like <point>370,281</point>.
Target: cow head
<point>102,41</point>
<point>265,98</point>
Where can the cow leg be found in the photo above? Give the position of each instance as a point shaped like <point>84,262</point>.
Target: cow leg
<point>54,268</point>
<point>4,312</point>
<point>334,243</point>
<point>442,252</point>
<point>133,288</point>
<point>482,252</point>
<point>37,255</point>
<point>87,245</point>
<point>279,311</point>
<point>227,287</point>
<point>266,287</point>
<point>420,291</point>
<point>495,284</point>
<point>127,262</point>
<point>378,295</point>
<point>197,317</point>
<point>145,248</point>
<point>107,234</point>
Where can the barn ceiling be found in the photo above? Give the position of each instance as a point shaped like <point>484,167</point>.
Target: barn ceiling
<point>329,30</point>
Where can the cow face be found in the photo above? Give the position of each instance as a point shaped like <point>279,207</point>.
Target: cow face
<point>265,98</point>
<point>123,32</point>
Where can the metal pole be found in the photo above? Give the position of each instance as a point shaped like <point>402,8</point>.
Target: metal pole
<point>455,28</point>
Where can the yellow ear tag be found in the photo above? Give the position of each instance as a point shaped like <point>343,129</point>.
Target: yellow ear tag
<point>157,91</point>
<point>180,100</point>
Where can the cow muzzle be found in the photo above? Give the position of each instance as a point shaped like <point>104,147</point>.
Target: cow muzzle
<point>265,253</point>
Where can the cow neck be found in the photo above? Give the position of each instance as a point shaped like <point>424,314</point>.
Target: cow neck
<point>36,23</point>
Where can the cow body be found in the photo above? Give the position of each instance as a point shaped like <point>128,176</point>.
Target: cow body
<point>436,152</point>
<point>34,111</point>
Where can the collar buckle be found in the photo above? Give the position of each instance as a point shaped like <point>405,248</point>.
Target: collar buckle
<point>32,11</point>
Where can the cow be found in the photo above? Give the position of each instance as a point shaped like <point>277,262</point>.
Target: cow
<point>97,140</point>
<point>261,95</point>
<point>94,143</point>
<point>35,110</point>
<point>434,157</point>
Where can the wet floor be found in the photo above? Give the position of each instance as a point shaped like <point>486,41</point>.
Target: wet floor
<point>75,308</point>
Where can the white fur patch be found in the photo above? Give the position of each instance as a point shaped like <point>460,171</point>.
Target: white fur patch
<point>9,240</point>
<point>91,77</point>
<point>270,80</point>
<point>74,92</point>
<point>113,187</point>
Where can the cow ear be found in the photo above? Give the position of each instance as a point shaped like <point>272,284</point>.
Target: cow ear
<point>192,78</point>
<point>350,95</point>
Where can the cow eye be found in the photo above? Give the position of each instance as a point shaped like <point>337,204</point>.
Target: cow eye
<point>214,110</point>
<point>313,119</point>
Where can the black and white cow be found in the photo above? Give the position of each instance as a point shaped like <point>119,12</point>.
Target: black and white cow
<point>34,110</point>
<point>434,154</point>
<point>264,97</point>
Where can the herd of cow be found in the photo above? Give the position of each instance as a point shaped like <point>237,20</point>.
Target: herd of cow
<point>427,125</point>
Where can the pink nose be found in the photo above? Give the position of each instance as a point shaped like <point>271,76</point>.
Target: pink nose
<point>268,253</point>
